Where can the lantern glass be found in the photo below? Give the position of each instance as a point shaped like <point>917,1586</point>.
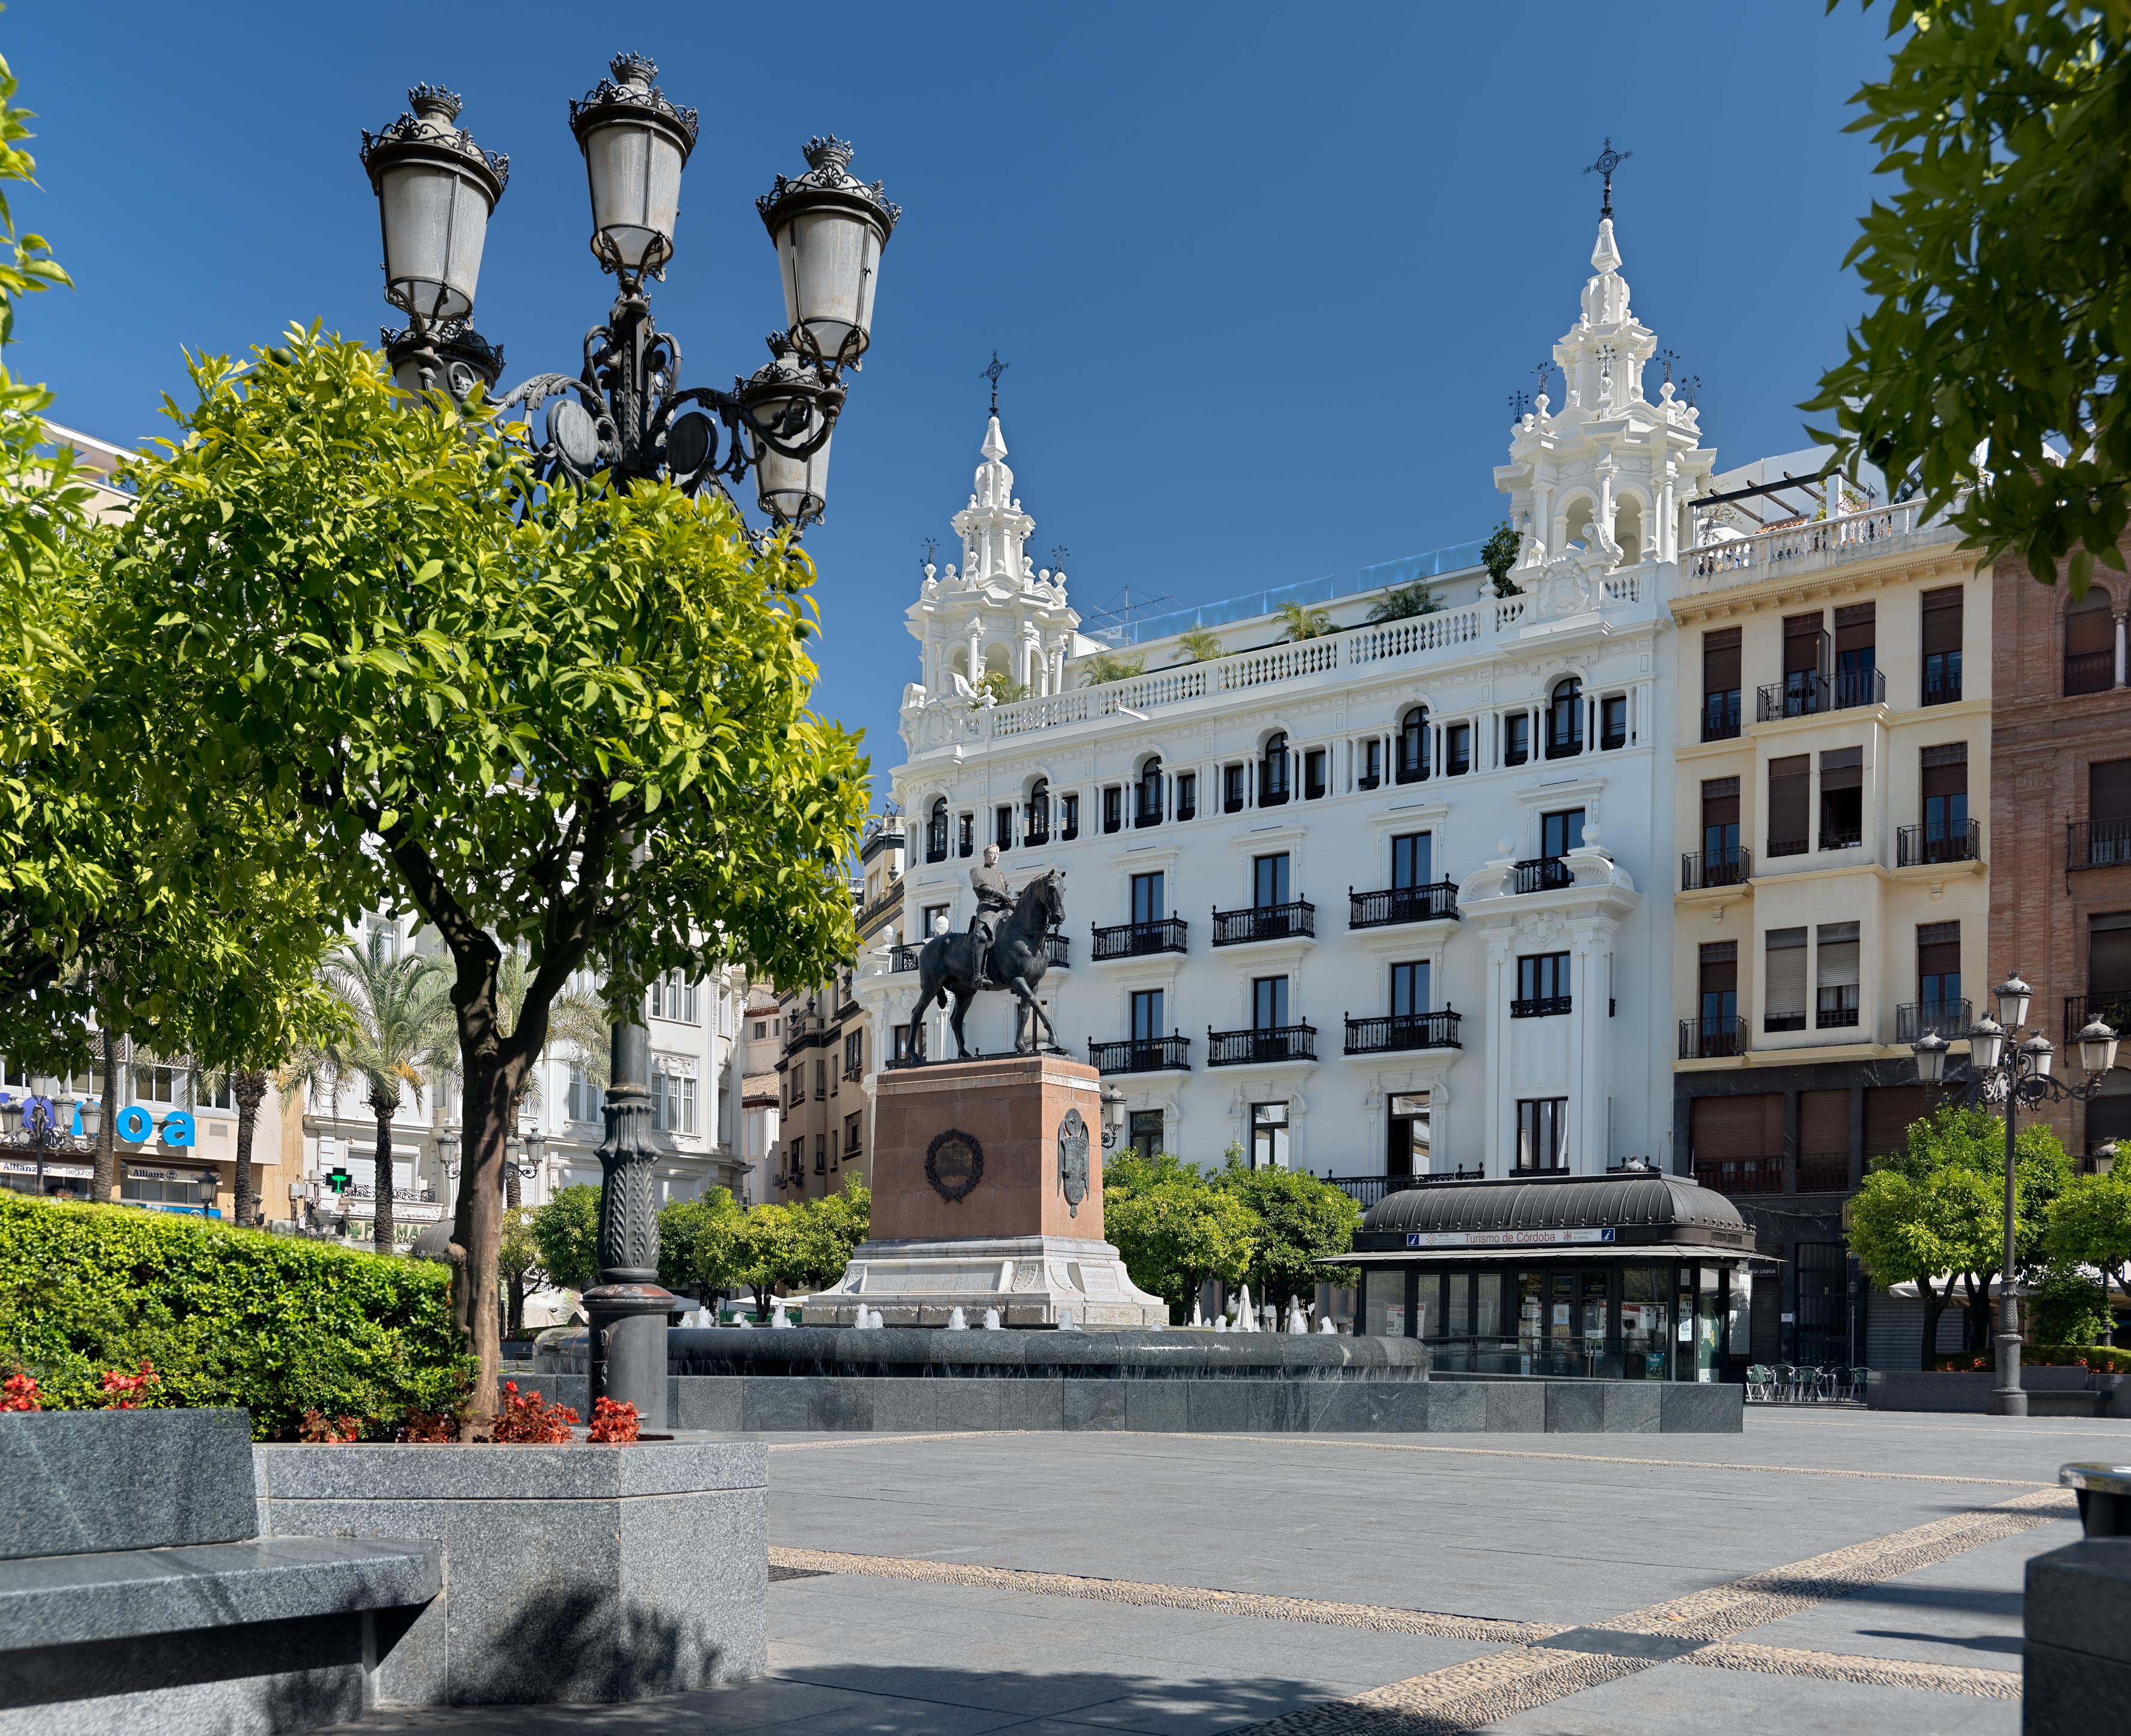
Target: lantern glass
<point>2042,1055</point>
<point>828,258</point>
<point>2097,1047</point>
<point>1987,1044</point>
<point>92,1117</point>
<point>633,164</point>
<point>1930,1058</point>
<point>2013,995</point>
<point>11,1115</point>
<point>2104,1157</point>
<point>793,490</point>
<point>435,218</point>
<point>536,1148</point>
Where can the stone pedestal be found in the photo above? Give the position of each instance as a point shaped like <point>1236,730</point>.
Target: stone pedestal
<point>987,1193</point>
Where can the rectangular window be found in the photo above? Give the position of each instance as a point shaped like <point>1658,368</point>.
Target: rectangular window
<point>1939,967</point>
<point>855,1054</point>
<point>1539,1129</point>
<point>1719,985</point>
<point>1720,685</point>
<point>1232,789</point>
<point>1855,632</point>
<point>1147,897</point>
<point>673,997</point>
<point>1147,1015</point>
<point>1409,989</point>
<point>1613,720</point>
<point>1113,807</point>
<point>154,1082</point>
<point>1409,1152</point>
<point>1516,738</point>
<point>1372,756</point>
<point>1790,806</point>
<point>1784,980</point>
<point>821,1154</point>
<point>215,1092</point>
<point>2108,955</point>
<point>1269,1003</point>
<point>966,834</point>
<point>1945,785</point>
<point>1559,833</point>
<point>851,1135</point>
<point>672,1101</point>
<point>935,914</point>
<point>1269,884</point>
<point>1941,646</point>
<point>1143,1133</point>
<point>1187,794</point>
<point>1412,860</point>
<point>1269,1135</point>
<point>1720,823</point>
<point>1835,962</point>
<point>1003,825</point>
<point>1069,811</point>
<point>1542,985</point>
<point>1842,798</point>
<point>820,1079</point>
<point>1457,749</point>
<point>586,1101</point>
<point>899,1038</point>
<point>1312,774</point>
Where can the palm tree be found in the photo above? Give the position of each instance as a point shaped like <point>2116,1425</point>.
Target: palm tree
<point>1199,645</point>
<point>387,1041</point>
<point>1305,624</point>
<point>1402,601</point>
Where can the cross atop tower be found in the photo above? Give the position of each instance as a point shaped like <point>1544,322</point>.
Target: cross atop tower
<point>1609,160</point>
<point>992,374</point>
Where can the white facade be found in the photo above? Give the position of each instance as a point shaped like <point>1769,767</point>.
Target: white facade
<point>1461,752</point>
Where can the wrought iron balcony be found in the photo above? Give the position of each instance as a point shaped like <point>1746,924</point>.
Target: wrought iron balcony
<point>1705,1040</point>
<point>1395,1030</point>
<point>1701,868</point>
<point>1789,846</point>
<point>1836,1009</point>
<point>1720,715</point>
<point>2088,672</point>
<point>1823,1172</point>
<point>1061,952</point>
<point>1942,687</point>
<point>2092,844</point>
<point>1260,1047</point>
<point>1741,1175</point>
<point>1546,1006</point>
<point>1142,1055</point>
<point>2113,1010</point>
<point>1137,939</point>
<point>1366,1190</point>
<point>1808,693</point>
<point>1947,1019</point>
<point>902,958</point>
<point>1921,846</point>
<point>1435,903</point>
<point>1296,918</point>
<point>1542,874</point>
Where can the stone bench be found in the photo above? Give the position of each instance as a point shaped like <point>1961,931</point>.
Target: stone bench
<point>136,1594</point>
<point>2077,1659</point>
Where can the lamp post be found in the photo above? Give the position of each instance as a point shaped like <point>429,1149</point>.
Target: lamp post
<point>626,413</point>
<point>2003,1070</point>
<point>35,1123</point>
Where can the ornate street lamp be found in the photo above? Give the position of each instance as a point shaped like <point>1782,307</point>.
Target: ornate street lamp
<point>2002,1071</point>
<point>43,1122</point>
<point>624,414</point>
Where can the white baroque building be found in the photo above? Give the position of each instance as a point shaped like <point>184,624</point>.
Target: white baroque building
<point>1391,899</point>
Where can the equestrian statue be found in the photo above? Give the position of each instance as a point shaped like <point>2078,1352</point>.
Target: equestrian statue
<point>1008,946</point>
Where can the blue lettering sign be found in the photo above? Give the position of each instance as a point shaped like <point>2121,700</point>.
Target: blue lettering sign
<point>134,1124</point>
<point>178,1128</point>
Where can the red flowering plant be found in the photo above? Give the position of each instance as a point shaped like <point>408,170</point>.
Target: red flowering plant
<point>613,1425</point>
<point>20,1393</point>
<point>130,1392</point>
<point>319,1430</point>
<point>528,1419</point>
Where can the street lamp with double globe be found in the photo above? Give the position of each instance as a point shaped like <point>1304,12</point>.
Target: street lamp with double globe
<point>43,1122</point>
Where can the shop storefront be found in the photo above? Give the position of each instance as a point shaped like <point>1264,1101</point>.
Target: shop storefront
<point>1635,1275</point>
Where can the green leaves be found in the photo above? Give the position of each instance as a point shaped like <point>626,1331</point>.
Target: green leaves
<point>1988,372</point>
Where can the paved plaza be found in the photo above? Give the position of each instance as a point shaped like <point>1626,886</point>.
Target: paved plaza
<point>1827,1571</point>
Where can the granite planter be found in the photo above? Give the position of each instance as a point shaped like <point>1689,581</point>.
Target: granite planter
<point>576,1573</point>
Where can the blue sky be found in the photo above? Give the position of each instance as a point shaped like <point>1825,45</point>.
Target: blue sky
<point>1266,275</point>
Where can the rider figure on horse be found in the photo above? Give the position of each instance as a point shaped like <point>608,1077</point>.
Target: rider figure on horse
<point>993,900</point>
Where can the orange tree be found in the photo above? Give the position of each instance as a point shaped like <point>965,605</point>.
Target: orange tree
<point>575,723</point>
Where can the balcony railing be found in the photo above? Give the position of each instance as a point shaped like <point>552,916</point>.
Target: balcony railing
<point>1288,921</point>
<point>1261,1046</point>
<point>1922,846</point>
<point>1789,846</point>
<point>1542,874</point>
<point>1802,548</point>
<point>1702,868</point>
<point>1435,903</point>
<point>1136,939</point>
<point>1842,836</point>
<point>1947,1019</point>
<point>2113,1010</point>
<point>2088,672</point>
<point>1823,1172</point>
<point>1366,1190</point>
<point>1808,693</point>
<point>1142,1055</point>
<point>1834,1009</point>
<point>1703,1039</point>
<point>1782,1022</point>
<point>1720,715</point>
<point>1942,687</point>
<point>1741,1175</point>
<point>1061,952</point>
<point>1390,1031</point>
<point>902,958</point>
<point>2092,844</point>
<point>1546,1006</point>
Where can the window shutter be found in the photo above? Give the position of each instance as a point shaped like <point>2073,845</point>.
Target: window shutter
<point>1941,622</point>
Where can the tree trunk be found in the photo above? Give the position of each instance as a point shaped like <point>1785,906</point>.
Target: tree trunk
<point>1934,1307</point>
<point>1979,1322</point>
<point>104,1172</point>
<point>381,1182</point>
<point>515,1325</point>
<point>249,1088</point>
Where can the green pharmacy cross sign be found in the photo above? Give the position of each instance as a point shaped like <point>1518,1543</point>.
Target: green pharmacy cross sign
<point>338,1179</point>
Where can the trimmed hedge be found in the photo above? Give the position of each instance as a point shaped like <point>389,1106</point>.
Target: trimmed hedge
<point>2105,1358</point>
<point>229,1317</point>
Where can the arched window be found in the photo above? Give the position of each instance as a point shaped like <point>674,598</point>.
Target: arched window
<point>2090,644</point>
<point>936,831</point>
<point>1411,765</point>
<point>1564,720</point>
<point>1148,808</point>
<point>1272,771</point>
<point>1036,828</point>
<point>1628,529</point>
<point>1578,523</point>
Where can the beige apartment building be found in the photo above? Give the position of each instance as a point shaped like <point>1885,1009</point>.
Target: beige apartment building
<point>1832,901</point>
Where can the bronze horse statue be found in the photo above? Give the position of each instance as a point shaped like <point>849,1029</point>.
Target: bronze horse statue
<point>1020,953</point>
